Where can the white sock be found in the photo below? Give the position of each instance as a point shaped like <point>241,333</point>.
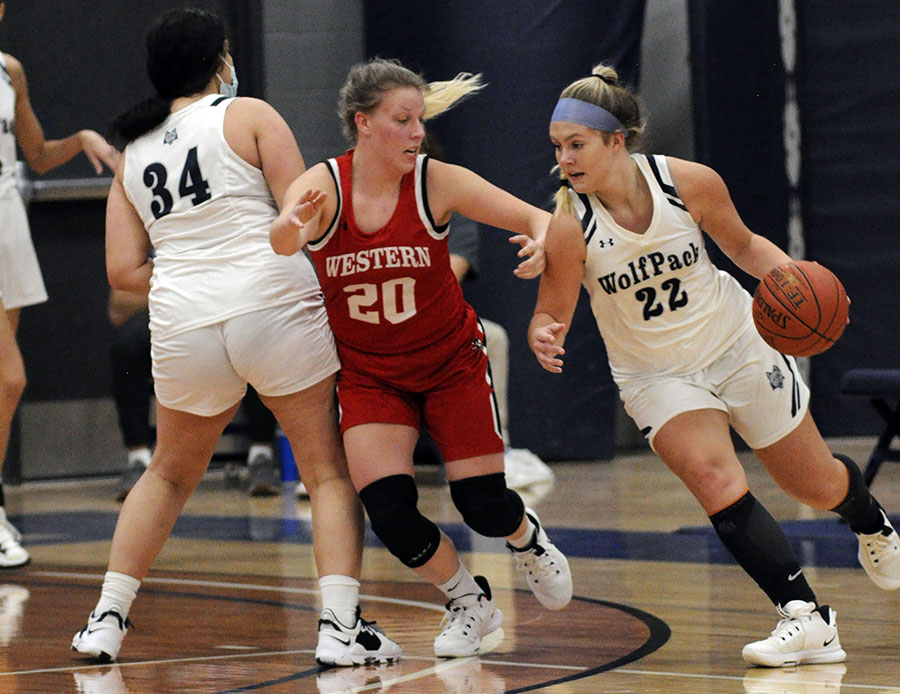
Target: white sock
<point>523,540</point>
<point>140,455</point>
<point>340,594</point>
<point>260,449</point>
<point>462,583</point>
<point>119,590</point>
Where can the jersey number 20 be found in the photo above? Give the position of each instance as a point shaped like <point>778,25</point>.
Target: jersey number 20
<point>397,300</point>
<point>191,183</point>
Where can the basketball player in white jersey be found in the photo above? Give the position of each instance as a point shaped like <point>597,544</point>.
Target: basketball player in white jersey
<point>201,175</point>
<point>686,357</point>
<point>21,283</point>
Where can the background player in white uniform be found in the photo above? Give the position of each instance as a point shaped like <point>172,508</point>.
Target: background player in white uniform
<point>685,354</point>
<point>199,181</point>
<point>21,283</point>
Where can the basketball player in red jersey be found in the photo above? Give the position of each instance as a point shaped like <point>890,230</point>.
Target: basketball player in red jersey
<point>412,351</point>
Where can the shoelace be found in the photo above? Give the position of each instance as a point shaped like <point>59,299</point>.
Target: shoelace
<point>878,544</point>
<point>459,618</point>
<point>535,556</point>
<point>788,627</point>
<point>370,627</point>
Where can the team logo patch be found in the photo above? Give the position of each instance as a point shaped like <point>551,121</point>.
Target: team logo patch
<point>776,378</point>
<point>170,137</point>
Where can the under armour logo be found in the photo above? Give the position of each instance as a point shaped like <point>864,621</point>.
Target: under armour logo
<point>776,378</point>
<point>603,243</point>
<point>477,345</point>
<point>170,136</point>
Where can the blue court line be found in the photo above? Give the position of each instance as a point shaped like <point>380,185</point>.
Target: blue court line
<point>821,543</point>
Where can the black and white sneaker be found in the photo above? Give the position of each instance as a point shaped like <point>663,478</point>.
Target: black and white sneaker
<point>102,636</point>
<point>879,554</point>
<point>360,644</point>
<point>545,567</point>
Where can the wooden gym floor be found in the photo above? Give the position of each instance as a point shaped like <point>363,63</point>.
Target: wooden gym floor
<point>231,604</point>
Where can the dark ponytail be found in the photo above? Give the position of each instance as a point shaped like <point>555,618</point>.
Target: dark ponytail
<point>184,51</point>
<point>139,119</point>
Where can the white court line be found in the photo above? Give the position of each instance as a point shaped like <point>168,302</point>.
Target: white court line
<point>244,586</point>
<point>375,598</point>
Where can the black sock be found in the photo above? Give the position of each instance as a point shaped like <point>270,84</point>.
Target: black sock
<point>759,545</point>
<point>859,508</point>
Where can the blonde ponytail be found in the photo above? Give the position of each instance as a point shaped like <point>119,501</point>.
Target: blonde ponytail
<point>444,95</point>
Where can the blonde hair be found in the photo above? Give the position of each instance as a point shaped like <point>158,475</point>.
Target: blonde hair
<point>370,80</point>
<point>603,89</point>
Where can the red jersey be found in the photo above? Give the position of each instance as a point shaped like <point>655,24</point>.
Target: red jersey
<point>392,291</point>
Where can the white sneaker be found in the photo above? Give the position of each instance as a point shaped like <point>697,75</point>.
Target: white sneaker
<point>807,679</point>
<point>802,636</point>
<point>545,567</point>
<point>102,636</point>
<point>471,625</point>
<point>361,644</point>
<point>300,490</point>
<point>879,555</point>
<point>524,469</point>
<point>12,554</point>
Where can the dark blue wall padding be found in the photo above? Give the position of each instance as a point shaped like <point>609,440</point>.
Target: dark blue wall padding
<point>738,93</point>
<point>527,50</point>
<point>849,95</point>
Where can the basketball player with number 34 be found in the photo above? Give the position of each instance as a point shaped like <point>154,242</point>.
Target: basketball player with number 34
<point>685,354</point>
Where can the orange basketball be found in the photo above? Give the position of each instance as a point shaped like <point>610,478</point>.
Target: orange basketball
<point>800,308</point>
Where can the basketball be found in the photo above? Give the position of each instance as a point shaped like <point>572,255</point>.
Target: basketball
<point>800,308</point>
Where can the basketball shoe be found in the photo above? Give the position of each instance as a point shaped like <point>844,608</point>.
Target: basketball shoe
<point>12,554</point>
<point>102,636</point>
<point>809,679</point>
<point>879,555</point>
<point>545,567</point>
<point>360,644</point>
<point>471,624</point>
<point>805,634</point>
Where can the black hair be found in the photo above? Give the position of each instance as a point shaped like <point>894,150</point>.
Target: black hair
<point>184,51</point>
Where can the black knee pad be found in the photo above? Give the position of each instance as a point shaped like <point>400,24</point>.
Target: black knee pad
<point>859,508</point>
<point>487,506</point>
<point>391,505</point>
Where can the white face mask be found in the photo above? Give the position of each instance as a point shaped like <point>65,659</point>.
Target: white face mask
<point>226,89</point>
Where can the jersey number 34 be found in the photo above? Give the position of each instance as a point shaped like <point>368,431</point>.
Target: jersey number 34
<point>191,184</point>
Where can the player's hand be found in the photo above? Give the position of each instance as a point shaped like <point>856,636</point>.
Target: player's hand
<point>533,252</point>
<point>543,343</point>
<point>306,207</point>
<point>98,151</point>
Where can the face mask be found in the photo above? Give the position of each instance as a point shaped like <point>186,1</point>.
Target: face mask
<point>225,89</point>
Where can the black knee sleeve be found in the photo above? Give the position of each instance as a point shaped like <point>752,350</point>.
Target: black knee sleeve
<point>487,506</point>
<point>391,505</point>
<point>759,545</point>
<point>859,508</point>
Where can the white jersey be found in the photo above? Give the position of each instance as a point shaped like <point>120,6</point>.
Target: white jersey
<point>7,132</point>
<point>208,213</point>
<point>661,306</point>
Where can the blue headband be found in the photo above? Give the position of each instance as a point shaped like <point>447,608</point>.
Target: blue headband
<point>583,113</point>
